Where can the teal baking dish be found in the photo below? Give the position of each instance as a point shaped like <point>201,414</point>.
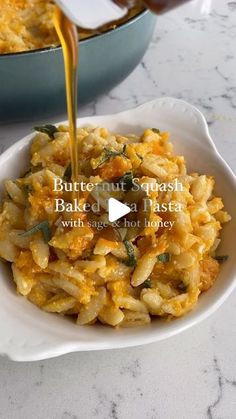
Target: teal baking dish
<point>32,83</point>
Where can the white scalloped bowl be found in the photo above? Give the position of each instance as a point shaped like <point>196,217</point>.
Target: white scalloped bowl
<point>28,334</point>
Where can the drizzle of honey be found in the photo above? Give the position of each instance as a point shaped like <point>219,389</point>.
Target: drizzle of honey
<point>68,36</point>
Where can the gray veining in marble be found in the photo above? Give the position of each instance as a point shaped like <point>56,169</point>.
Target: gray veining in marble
<point>190,376</point>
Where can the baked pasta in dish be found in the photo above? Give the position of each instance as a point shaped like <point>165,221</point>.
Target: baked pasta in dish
<point>28,25</point>
<point>118,275</point>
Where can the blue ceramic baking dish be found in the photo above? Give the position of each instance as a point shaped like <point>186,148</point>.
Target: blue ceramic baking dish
<point>32,83</point>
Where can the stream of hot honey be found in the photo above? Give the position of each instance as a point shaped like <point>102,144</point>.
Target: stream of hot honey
<point>68,35</point>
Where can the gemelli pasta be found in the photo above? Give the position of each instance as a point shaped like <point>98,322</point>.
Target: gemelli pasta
<point>67,257</point>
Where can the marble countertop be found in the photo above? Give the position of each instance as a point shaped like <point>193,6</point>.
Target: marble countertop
<point>190,376</point>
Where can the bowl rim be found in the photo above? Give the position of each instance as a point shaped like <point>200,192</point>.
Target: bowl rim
<point>108,32</point>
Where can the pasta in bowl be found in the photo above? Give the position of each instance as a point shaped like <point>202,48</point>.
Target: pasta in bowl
<point>84,271</point>
<point>123,275</point>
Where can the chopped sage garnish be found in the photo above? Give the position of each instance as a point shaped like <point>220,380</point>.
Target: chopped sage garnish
<point>108,154</point>
<point>50,130</point>
<point>156,130</point>
<point>164,257</point>
<point>221,259</point>
<point>126,181</point>
<point>43,227</point>
<point>131,261</point>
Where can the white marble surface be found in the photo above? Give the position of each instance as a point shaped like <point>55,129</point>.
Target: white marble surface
<point>193,375</point>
